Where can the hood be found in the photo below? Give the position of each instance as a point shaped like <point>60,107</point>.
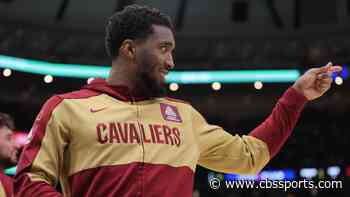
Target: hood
<point>119,92</point>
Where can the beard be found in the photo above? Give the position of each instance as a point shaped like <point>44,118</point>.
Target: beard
<point>147,82</point>
<point>151,87</point>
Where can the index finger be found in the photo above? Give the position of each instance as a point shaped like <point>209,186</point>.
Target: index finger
<point>335,69</point>
<point>322,69</point>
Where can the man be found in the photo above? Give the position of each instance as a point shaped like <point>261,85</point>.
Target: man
<point>121,137</point>
<point>8,154</point>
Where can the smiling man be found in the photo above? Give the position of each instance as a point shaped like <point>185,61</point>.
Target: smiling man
<point>8,154</point>
<point>122,137</point>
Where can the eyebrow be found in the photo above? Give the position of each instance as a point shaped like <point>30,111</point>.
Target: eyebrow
<point>167,43</point>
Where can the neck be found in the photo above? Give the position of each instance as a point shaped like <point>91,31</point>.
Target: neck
<point>125,74</point>
<point>121,74</point>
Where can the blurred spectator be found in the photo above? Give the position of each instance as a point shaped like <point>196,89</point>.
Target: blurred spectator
<point>8,153</point>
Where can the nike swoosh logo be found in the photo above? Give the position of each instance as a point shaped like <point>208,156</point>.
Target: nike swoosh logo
<point>97,110</point>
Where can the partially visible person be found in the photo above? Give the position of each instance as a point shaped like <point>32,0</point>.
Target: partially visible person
<point>8,154</point>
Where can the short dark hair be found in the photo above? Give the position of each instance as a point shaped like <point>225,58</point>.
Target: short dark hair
<point>6,120</point>
<point>133,22</point>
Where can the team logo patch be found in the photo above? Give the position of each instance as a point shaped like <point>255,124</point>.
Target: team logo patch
<point>170,113</point>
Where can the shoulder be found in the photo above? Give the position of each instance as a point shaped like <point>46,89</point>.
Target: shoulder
<point>79,94</point>
<point>177,100</point>
<point>56,101</point>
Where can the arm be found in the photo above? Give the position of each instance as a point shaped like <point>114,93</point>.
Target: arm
<point>220,151</point>
<point>276,129</point>
<point>42,158</point>
<point>249,154</point>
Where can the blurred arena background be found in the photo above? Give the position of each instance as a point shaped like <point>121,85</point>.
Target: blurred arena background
<point>255,36</point>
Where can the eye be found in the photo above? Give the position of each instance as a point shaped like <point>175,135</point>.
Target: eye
<point>164,49</point>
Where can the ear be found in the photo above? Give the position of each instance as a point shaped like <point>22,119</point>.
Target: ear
<point>128,48</point>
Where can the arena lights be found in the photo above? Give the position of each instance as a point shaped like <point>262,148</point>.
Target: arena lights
<point>308,173</point>
<point>333,171</point>
<point>10,171</point>
<point>7,72</point>
<point>290,174</point>
<point>343,73</point>
<point>286,174</point>
<point>238,76</point>
<point>234,177</point>
<point>216,86</point>
<point>89,80</point>
<point>258,85</point>
<point>55,69</point>
<point>180,77</point>
<point>173,87</point>
<point>338,80</point>
<point>48,79</point>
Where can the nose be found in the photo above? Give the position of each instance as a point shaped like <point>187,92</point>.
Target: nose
<point>169,62</point>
